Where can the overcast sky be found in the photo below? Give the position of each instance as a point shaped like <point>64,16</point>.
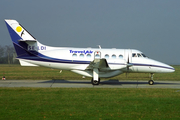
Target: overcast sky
<point>151,26</point>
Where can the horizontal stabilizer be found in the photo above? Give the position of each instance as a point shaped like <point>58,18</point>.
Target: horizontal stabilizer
<point>27,40</point>
<point>23,63</point>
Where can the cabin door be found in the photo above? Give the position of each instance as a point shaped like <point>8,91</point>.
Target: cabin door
<point>97,55</point>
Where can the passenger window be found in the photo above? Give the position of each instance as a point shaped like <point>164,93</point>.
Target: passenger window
<point>113,56</point>
<point>88,55</point>
<point>121,56</point>
<point>81,55</point>
<point>74,55</point>
<point>107,56</point>
<point>97,56</point>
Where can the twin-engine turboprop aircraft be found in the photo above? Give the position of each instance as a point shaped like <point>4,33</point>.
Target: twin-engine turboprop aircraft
<point>91,62</point>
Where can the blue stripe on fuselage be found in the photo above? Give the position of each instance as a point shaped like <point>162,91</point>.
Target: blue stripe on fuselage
<point>150,65</point>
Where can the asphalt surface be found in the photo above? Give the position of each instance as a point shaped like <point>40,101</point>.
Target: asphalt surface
<point>87,84</point>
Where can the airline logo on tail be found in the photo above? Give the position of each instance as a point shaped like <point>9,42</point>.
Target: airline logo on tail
<point>19,29</point>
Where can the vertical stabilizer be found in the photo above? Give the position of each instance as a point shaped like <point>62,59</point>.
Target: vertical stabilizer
<point>20,36</point>
<point>23,34</point>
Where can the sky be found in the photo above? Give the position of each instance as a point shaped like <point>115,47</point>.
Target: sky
<point>151,26</point>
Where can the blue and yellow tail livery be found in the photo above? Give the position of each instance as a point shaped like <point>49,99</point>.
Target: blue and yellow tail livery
<point>20,36</point>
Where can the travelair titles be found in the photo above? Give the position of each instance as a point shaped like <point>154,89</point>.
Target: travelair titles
<point>81,51</point>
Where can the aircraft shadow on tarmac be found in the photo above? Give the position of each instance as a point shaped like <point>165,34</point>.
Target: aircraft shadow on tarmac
<point>109,82</point>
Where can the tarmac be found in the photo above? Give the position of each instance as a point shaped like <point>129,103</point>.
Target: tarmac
<point>87,84</point>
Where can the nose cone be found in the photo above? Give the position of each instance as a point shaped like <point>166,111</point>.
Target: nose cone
<point>162,67</point>
<point>168,69</point>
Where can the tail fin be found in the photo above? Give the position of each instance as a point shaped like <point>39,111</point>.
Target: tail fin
<point>19,30</point>
<point>20,37</point>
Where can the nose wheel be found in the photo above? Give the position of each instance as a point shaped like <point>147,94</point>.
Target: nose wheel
<point>151,82</point>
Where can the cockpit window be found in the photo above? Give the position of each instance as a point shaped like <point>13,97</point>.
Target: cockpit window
<point>138,55</point>
<point>143,55</point>
<point>134,55</point>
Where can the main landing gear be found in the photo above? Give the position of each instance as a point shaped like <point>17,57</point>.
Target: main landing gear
<point>151,82</point>
<point>95,82</point>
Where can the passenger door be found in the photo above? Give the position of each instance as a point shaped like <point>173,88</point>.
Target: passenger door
<point>97,55</point>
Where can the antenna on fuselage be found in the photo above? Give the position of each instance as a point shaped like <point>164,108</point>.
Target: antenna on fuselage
<point>99,46</point>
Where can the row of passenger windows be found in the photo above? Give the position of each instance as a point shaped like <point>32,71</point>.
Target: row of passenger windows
<point>98,56</point>
<point>113,56</point>
<point>107,56</point>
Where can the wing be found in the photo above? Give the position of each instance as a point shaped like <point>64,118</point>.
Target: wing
<point>100,64</point>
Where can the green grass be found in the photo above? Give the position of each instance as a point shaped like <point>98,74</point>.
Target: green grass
<point>88,103</point>
<point>85,103</point>
<point>17,72</point>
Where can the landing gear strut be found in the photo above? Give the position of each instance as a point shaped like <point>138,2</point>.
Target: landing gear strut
<point>95,82</point>
<point>151,82</point>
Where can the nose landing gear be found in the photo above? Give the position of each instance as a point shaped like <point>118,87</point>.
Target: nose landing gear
<point>95,82</point>
<point>151,82</point>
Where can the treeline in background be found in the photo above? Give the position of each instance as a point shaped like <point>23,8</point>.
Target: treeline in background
<point>8,55</point>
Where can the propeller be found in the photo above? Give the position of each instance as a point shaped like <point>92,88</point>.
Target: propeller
<point>128,65</point>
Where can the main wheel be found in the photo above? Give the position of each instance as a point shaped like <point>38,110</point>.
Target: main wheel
<point>95,82</point>
<point>151,82</point>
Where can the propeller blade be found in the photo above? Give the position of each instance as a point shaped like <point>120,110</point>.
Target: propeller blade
<point>128,63</point>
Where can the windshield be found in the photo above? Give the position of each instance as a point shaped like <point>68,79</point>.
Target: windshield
<point>143,55</point>
<point>139,55</point>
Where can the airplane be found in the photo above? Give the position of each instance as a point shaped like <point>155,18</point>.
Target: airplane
<point>91,62</point>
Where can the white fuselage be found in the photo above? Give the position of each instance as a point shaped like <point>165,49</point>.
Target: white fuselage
<point>78,59</point>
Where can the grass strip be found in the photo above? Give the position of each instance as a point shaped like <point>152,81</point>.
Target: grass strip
<point>17,72</point>
<point>89,103</point>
